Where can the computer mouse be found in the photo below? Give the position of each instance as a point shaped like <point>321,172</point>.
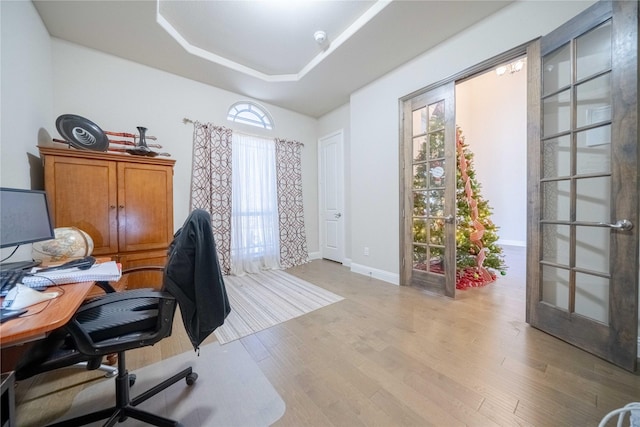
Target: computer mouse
<point>22,296</point>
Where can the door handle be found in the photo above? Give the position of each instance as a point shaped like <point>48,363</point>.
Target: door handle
<point>337,215</point>
<point>621,224</point>
<point>449,219</point>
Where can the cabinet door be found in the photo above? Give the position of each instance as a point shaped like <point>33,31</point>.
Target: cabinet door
<point>83,194</point>
<point>145,206</point>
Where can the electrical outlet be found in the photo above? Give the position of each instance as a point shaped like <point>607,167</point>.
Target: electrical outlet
<point>366,251</point>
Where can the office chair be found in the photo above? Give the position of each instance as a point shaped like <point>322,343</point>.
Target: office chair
<point>41,358</point>
<point>121,321</point>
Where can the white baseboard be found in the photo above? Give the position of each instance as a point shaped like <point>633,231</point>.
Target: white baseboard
<point>318,255</point>
<point>521,243</point>
<point>376,274</point>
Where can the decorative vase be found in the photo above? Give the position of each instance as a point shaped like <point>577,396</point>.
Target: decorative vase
<point>142,141</point>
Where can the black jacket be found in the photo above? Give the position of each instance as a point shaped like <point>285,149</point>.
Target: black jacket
<point>194,278</point>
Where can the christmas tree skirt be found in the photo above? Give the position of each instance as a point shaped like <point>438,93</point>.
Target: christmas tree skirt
<point>473,277</point>
<point>469,277</point>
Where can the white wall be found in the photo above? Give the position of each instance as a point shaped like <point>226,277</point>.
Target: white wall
<point>27,99</point>
<point>375,127</point>
<point>491,110</point>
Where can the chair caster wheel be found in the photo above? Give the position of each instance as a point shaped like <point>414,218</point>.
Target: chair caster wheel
<point>132,379</point>
<point>191,378</point>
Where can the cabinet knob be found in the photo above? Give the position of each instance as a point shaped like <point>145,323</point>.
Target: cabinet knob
<point>121,206</point>
<point>112,206</point>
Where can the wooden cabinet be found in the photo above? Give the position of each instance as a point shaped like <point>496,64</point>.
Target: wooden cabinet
<point>124,202</point>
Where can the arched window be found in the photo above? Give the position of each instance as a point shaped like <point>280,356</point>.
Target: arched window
<point>251,114</point>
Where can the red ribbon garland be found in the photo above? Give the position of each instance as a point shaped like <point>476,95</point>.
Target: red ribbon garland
<point>478,228</point>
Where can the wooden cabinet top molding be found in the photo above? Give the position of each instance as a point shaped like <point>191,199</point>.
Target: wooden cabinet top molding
<point>97,155</point>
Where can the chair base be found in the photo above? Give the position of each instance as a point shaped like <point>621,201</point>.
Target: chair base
<point>125,406</point>
<point>109,371</point>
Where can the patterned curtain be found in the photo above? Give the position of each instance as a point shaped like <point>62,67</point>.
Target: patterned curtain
<point>293,239</point>
<point>211,183</point>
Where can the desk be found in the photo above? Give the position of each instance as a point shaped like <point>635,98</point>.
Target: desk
<point>46,316</point>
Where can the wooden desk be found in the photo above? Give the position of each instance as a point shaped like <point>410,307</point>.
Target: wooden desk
<point>46,316</point>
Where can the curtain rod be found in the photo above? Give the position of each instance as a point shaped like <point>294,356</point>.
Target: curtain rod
<point>187,120</point>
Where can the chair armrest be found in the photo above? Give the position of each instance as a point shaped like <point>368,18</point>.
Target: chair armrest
<point>143,268</point>
<point>108,288</point>
<point>105,286</point>
<point>148,279</point>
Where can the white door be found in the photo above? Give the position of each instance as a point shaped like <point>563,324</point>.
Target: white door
<point>331,179</point>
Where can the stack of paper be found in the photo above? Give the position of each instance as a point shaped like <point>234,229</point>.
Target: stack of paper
<point>106,271</point>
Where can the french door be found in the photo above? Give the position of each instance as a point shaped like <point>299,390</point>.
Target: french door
<point>582,234</point>
<point>428,191</point>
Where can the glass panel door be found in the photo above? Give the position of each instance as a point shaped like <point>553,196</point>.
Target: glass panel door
<point>585,189</point>
<point>428,244</point>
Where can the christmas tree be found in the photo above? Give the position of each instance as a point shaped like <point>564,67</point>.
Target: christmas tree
<point>478,257</point>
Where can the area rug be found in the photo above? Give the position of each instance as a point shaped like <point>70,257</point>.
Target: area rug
<point>231,390</point>
<point>259,301</point>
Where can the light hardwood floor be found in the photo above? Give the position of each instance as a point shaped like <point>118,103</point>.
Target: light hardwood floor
<point>397,356</point>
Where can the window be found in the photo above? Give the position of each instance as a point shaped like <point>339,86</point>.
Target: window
<point>255,227</point>
<point>251,114</point>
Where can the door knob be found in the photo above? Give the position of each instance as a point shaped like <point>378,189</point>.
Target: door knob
<point>338,215</point>
<point>449,219</point>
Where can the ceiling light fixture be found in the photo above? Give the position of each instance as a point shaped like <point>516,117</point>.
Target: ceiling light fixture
<point>320,36</point>
<point>514,67</point>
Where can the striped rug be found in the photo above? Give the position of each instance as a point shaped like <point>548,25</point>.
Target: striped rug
<point>259,301</point>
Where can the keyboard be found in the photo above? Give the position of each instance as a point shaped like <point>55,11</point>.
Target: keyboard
<point>19,265</point>
<point>8,280</point>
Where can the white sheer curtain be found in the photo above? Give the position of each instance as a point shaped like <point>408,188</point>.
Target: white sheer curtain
<point>255,233</point>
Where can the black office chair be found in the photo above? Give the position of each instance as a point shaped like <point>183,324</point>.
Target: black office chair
<point>57,351</point>
<point>117,322</point>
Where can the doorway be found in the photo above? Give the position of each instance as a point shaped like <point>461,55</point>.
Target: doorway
<point>491,111</point>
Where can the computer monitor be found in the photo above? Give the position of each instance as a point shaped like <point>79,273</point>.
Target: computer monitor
<point>24,217</point>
